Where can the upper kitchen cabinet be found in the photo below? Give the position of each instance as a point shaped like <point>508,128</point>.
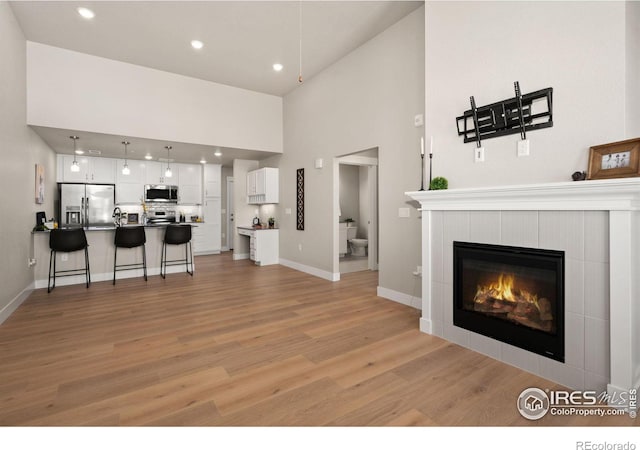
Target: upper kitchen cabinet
<point>155,173</point>
<point>136,171</point>
<point>130,188</point>
<point>92,170</point>
<point>212,180</point>
<point>190,185</point>
<point>262,186</point>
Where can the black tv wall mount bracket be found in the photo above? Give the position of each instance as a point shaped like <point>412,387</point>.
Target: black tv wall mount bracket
<point>518,114</point>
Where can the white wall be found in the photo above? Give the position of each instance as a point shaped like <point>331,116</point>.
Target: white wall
<point>366,100</point>
<point>350,193</point>
<point>82,92</point>
<point>20,150</point>
<point>481,48</point>
<point>633,69</point>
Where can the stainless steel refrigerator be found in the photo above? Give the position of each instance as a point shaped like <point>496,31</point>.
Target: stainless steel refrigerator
<point>86,205</point>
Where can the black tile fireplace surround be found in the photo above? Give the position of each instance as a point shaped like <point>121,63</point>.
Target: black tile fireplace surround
<point>512,294</point>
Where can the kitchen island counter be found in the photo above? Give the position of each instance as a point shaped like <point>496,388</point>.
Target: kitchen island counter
<point>101,254</point>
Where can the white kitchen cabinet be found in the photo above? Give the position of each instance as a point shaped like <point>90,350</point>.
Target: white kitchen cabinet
<point>129,193</point>
<point>207,235</point>
<point>262,186</point>
<point>136,171</point>
<point>92,170</point>
<point>206,239</point>
<point>155,173</point>
<point>263,245</point>
<point>212,180</point>
<point>130,188</point>
<point>190,185</point>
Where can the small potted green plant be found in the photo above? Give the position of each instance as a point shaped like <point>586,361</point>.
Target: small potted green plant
<point>439,183</point>
<point>272,222</point>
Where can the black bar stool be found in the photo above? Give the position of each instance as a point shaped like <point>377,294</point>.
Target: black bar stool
<point>177,235</point>
<point>66,241</point>
<point>130,237</point>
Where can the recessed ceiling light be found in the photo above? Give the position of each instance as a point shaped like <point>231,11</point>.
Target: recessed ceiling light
<point>218,153</point>
<point>148,157</point>
<point>203,161</point>
<point>79,152</point>
<point>197,44</point>
<point>277,67</point>
<point>86,13</point>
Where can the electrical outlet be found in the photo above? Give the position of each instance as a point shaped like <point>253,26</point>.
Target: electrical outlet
<point>287,210</point>
<point>64,257</point>
<point>404,212</point>
<point>299,247</point>
<point>479,154</point>
<point>523,147</point>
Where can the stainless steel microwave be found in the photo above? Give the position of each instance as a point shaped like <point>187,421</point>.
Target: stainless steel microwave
<point>160,193</point>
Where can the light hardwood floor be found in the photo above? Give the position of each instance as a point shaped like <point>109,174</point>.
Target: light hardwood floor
<point>238,344</point>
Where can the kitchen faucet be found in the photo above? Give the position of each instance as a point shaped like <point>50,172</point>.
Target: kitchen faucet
<point>117,215</point>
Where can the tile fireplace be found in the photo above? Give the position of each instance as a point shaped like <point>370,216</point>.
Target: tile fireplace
<point>595,223</point>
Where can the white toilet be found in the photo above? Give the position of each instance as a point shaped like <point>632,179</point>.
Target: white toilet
<point>359,247</point>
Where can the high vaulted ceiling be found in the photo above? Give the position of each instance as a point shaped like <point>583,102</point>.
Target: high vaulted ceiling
<point>242,39</point>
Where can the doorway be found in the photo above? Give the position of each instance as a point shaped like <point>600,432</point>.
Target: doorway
<point>356,196</point>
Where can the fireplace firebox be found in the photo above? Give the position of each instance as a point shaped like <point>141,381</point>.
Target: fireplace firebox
<point>512,294</point>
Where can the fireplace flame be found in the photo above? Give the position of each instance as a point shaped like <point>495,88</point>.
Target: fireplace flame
<point>503,288</point>
<point>502,297</point>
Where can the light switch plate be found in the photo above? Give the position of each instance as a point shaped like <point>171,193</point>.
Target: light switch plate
<point>479,154</point>
<point>523,147</point>
<point>287,211</point>
<point>404,212</point>
<point>418,120</point>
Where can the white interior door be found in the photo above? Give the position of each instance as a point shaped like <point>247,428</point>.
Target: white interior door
<point>373,219</point>
<point>231,227</point>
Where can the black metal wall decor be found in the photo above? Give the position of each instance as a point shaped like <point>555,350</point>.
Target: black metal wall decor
<point>518,114</point>
<point>300,199</point>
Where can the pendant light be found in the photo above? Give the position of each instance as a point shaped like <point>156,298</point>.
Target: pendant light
<point>75,167</point>
<point>167,173</point>
<point>125,168</point>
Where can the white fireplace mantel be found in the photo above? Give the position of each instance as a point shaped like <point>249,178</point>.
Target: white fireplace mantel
<point>619,197</point>
<point>596,195</point>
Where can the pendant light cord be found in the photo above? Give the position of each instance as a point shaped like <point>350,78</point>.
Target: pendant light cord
<point>300,41</point>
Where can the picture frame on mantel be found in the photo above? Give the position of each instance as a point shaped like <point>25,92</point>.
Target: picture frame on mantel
<point>614,160</point>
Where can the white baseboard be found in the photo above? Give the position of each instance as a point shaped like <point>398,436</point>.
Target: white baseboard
<point>96,277</point>
<point>237,256</point>
<point>15,302</point>
<point>400,297</point>
<point>207,252</point>
<point>426,326</point>
<point>310,270</point>
<point>224,249</point>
